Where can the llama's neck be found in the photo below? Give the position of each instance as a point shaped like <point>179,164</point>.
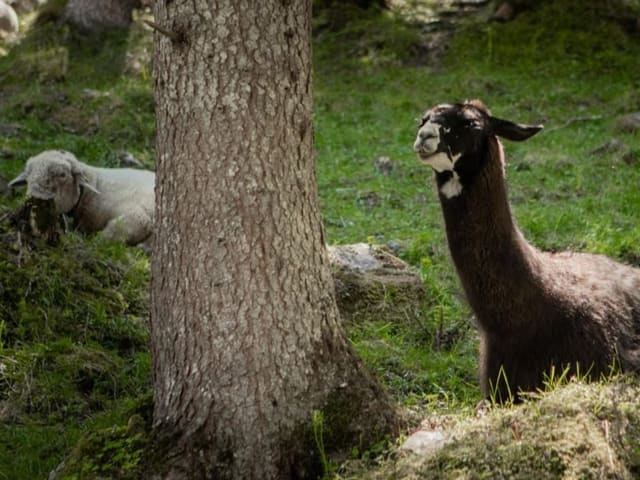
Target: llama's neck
<point>497,267</point>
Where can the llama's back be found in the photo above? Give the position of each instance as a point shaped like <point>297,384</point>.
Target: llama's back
<point>606,298</point>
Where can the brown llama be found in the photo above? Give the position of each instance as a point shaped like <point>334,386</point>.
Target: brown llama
<point>537,312</point>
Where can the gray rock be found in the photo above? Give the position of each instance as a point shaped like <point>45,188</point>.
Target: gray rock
<point>371,282</point>
<point>91,94</point>
<point>57,472</point>
<point>628,123</point>
<point>383,165</point>
<point>424,442</point>
<point>504,13</point>
<point>613,145</point>
<point>395,247</point>
<point>368,199</point>
<point>360,257</point>
<point>630,157</point>
<point>6,154</point>
<point>9,129</point>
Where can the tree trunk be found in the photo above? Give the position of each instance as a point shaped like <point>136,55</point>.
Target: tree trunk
<point>95,16</point>
<point>245,334</point>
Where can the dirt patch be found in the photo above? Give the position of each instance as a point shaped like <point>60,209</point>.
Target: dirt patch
<point>436,21</point>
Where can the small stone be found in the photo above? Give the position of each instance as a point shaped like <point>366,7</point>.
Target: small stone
<point>424,442</point>
<point>613,145</point>
<point>628,123</point>
<point>340,223</point>
<point>504,13</point>
<point>56,473</point>
<point>395,247</point>
<point>383,165</point>
<point>368,199</point>
<point>9,130</point>
<point>6,154</point>
<point>630,157</point>
<point>91,94</point>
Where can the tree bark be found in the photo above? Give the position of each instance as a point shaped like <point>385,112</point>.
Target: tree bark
<point>96,16</point>
<point>245,334</point>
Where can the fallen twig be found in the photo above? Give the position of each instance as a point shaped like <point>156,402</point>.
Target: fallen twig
<point>167,33</point>
<point>571,121</point>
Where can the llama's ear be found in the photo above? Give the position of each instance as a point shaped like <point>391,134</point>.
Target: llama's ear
<point>516,132</point>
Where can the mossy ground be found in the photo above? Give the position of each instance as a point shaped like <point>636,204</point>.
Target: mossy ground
<point>577,431</point>
<point>73,346</point>
<point>73,338</point>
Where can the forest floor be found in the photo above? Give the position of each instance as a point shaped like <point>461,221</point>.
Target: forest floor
<point>73,318</point>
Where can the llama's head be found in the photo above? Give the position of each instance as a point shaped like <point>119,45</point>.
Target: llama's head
<point>451,138</point>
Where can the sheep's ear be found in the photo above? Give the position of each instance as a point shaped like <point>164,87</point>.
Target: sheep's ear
<point>85,184</point>
<point>516,132</point>
<point>19,180</point>
<point>81,178</point>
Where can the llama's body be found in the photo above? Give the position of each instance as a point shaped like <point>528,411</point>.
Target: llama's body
<point>536,311</point>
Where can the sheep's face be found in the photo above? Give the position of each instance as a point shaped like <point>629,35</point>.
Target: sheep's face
<point>451,139</point>
<point>52,175</point>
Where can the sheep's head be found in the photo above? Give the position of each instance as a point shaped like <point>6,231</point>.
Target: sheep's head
<point>451,136</point>
<point>53,175</point>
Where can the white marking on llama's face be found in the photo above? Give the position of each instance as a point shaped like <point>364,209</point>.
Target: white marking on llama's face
<point>441,162</point>
<point>426,146</point>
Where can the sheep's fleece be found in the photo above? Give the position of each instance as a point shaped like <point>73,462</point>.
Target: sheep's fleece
<point>117,201</point>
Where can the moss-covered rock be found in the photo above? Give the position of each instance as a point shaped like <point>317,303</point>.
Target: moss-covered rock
<point>576,431</point>
<point>371,283</point>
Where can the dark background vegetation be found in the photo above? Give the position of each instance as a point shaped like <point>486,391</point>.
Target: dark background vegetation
<point>74,358</point>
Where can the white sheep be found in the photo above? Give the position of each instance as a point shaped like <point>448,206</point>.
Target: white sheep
<point>119,202</point>
<point>537,312</point>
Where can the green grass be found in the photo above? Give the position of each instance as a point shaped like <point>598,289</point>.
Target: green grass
<point>73,319</point>
<point>536,69</point>
<point>73,346</point>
